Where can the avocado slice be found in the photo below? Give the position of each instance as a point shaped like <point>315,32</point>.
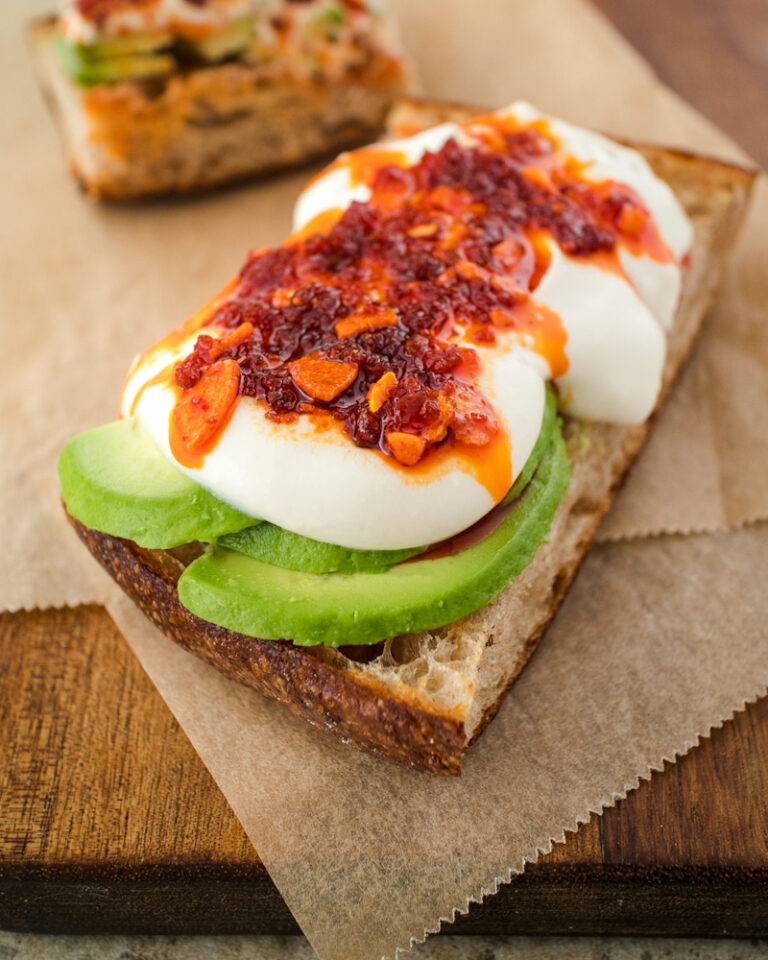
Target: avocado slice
<point>126,45</point>
<point>262,600</point>
<point>227,41</point>
<point>291,551</point>
<point>89,72</point>
<point>550,424</point>
<point>115,479</point>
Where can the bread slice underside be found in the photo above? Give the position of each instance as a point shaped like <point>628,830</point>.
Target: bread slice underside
<point>421,699</point>
<point>210,125</point>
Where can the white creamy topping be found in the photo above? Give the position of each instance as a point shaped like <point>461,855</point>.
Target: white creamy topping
<point>335,189</point>
<point>609,160</point>
<point>657,283</point>
<point>321,485</point>
<point>615,347</point>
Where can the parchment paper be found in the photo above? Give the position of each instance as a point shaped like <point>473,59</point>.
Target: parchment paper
<point>660,639</point>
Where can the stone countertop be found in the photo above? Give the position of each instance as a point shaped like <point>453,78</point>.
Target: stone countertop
<point>20,946</point>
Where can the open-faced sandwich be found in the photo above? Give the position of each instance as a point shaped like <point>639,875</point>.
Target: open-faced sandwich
<point>361,479</point>
<point>157,96</point>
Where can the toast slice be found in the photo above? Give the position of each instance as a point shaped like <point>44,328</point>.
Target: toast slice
<point>420,700</point>
<point>209,125</point>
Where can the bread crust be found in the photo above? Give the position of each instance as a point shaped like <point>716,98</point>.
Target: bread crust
<point>296,676</point>
<point>210,125</point>
<point>395,720</point>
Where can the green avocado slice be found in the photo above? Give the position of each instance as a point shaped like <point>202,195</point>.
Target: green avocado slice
<point>282,548</point>
<point>126,45</point>
<point>89,70</point>
<point>114,479</point>
<point>262,600</point>
<point>550,425</point>
<point>291,551</point>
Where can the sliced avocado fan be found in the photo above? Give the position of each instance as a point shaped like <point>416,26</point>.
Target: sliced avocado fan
<point>262,600</point>
<point>89,68</point>
<point>115,479</point>
<point>140,56</point>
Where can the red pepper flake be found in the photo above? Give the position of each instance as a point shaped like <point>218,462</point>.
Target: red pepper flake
<point>241,333</point>
<point>366,320</point>
<point>540,177</point>
<point>483,335</point>
<point>510,252</point>
<point>439,430</point>
<point>631,219</point>
<point>406,448</point>
<point>322,379</point>
<point>202,410</point>
<point>423,230</point>
<point>379,391</point>
<point>474,420</point>
<point>363,312</point>
<point>453,200</point>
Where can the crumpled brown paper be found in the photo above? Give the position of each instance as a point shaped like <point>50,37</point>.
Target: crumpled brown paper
<point>659,640</point>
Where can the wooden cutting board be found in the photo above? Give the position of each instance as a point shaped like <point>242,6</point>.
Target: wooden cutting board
<point>110,823</point>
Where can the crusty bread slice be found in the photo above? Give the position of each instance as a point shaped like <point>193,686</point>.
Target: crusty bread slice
<point>210,125</point>
<point>420,700</point>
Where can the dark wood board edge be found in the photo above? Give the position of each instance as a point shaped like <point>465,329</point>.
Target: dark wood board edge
<point>547,899</point>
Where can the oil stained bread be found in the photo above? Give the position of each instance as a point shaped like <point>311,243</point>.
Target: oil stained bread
<point>420,700</point>
<point>210,125</point>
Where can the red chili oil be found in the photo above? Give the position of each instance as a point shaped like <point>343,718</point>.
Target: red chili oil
<point>446,249</point>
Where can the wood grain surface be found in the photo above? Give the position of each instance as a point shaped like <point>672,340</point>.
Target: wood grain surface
<point>714,53</point>
<point>109,821</point>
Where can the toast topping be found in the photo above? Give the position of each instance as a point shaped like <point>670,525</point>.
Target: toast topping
<point>203,411</point>
<point>443,258</point>
<point>106,41</point>
<point>397,345</point>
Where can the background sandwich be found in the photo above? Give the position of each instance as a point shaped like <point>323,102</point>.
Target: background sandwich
<point>155,96</point>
